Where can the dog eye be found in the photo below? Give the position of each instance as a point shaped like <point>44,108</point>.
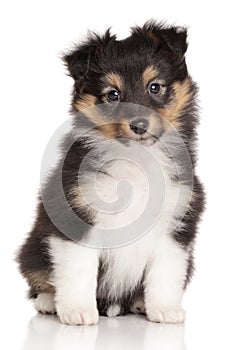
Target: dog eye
<point>113,95</point>
<point>154,88</point>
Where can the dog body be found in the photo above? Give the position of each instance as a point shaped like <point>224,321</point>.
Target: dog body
<point>133,100</point>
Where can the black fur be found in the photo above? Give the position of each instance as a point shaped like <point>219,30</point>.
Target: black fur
<point>88,63</point>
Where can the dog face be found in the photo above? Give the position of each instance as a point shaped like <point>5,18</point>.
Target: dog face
<point>147,70</point>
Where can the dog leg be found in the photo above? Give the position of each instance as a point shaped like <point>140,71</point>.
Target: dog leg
<point>164,283</point>
<point>44,303</point>
<point>75,280</point>
<point>138,306</point>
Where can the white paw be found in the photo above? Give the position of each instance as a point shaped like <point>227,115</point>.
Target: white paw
<point>138,306</point>
<point>166,315</point>
<point>76,315</point>
<point>113,310</point>
<point>44,303</point>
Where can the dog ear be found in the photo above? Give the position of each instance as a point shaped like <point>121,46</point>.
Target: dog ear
<point>160,35</point>
<point>77,61</point>
<point>80,60</point>
<point>175,38</point>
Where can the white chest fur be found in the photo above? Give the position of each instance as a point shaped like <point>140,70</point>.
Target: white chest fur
<point>148,193</point>
<point>144,250</point>
<point>135,194</point>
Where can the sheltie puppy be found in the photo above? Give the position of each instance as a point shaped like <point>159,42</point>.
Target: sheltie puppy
<point>117,216</point>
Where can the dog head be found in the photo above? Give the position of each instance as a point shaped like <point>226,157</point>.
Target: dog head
<point>147,70</point>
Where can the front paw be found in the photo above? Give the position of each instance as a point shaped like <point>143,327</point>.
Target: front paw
<point>166,315</point>
<point>44,303</point>
<point>77,314</point>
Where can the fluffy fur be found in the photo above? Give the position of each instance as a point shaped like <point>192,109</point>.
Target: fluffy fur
<point>150,274</point>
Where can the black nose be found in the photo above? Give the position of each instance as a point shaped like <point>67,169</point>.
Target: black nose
<point>139,126</point>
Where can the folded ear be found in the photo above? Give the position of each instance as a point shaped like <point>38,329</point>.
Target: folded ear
<point>161,35</point>
<point>175,38</point>
<point>80,60</point>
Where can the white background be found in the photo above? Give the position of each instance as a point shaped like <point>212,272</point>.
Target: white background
<point>34,101</point>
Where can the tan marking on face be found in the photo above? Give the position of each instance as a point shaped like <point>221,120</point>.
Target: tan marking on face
<point>149,74</point>
<point>86,104</point>
<point>109,130</point>
<point>182,96</point>
<point>114,79</point>
<point>85,101</point>
<point>124,130</point>
<point>39,280</point>
<point>94,116</point>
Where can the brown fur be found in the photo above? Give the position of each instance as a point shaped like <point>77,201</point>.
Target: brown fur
<point>152,36</point>
<point>109,130</point>
<point>181,98</point>
<point>85,101</point>
<point>128,65</point>
<point>149,74</point>
<point>114,80</point>
<point>39,282</point>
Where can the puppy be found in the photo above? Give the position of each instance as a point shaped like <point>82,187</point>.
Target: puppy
<point>97,247</point>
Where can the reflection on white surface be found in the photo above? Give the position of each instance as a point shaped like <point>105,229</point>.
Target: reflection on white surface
<point>47,333</point>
